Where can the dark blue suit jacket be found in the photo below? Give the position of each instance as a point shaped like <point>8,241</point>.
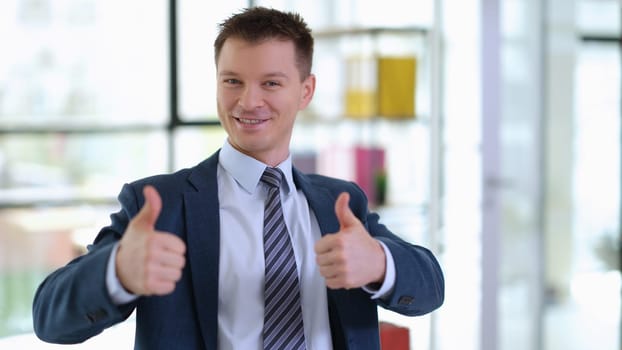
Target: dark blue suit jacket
<point>73,304</point>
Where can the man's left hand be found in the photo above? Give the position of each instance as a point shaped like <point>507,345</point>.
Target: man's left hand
<point>351,257</point>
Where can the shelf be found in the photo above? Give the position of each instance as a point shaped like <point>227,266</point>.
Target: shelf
<point>314,118</point>
<point>339,32</point>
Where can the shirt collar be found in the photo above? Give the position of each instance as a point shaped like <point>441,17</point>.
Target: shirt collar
<point>247,170</point>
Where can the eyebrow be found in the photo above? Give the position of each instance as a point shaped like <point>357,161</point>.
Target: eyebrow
<point>265,76</point>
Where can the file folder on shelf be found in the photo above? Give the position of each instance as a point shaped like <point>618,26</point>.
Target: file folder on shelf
<point>393,337</point>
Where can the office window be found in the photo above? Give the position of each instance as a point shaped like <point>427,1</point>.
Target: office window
<point>83,108</point>
<point>82,63</point>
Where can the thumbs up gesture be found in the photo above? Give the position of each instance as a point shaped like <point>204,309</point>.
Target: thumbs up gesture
<point>149,262</point>
<point>349,258</point>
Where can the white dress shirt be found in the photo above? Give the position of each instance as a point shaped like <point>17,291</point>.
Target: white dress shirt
<point>241,197</point>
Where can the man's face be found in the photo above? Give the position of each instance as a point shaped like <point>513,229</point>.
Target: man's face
<point>259,93</point>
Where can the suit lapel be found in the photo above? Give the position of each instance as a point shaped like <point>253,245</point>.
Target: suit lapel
<point>203,229</point>
<point>318,197</point>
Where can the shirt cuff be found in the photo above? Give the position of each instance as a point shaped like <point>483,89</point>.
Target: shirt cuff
<point>389,277</point>
<point>117,293</point>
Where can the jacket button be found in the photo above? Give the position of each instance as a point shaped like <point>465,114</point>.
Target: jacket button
<point>405,300</point>
<point>97,315</point>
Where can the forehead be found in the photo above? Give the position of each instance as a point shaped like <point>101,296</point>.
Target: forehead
<point>268,56</point>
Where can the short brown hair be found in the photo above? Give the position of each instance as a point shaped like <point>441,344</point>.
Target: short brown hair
<point>257,24</point>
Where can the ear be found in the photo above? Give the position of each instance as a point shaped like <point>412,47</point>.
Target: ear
<point>308,88</point>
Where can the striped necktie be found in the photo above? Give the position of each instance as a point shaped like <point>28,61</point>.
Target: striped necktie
<point>283,328</point>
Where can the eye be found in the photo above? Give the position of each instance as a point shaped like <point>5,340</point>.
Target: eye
<point>272,83</point>
<point>232,81</point>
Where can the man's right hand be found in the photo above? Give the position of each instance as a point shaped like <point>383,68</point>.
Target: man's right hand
<point>149,262</point>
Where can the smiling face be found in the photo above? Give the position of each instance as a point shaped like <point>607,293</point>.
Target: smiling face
<point>259,93</point>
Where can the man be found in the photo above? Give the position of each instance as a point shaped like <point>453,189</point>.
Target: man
<point>195,253</point>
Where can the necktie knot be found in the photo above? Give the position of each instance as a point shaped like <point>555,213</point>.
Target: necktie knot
<point>272,177</point>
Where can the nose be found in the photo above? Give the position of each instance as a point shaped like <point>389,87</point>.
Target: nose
<point>251,97</point>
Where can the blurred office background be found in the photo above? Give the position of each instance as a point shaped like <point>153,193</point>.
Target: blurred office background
<point>508,168</point>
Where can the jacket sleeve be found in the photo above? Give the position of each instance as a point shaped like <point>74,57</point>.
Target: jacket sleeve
<point>72,304</point>
<point>419,282</point>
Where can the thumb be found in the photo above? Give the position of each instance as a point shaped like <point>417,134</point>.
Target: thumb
<point>151,209</point>
<point>345,216</point>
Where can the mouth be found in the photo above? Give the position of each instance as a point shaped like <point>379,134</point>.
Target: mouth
<point>254,117</point>
<point>246,121</point>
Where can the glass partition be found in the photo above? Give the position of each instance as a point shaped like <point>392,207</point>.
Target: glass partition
<point>83,63</point>
<point>582,276</point>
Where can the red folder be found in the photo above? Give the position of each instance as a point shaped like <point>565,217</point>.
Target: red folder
<point>394,337</point>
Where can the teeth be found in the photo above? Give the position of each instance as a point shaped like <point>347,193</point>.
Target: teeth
<point>250,121</point>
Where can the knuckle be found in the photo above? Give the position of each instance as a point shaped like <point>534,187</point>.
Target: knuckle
<point>341,260</point>
<point>324,271</point>
<point>149,286</point>
<point>340,242</point>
